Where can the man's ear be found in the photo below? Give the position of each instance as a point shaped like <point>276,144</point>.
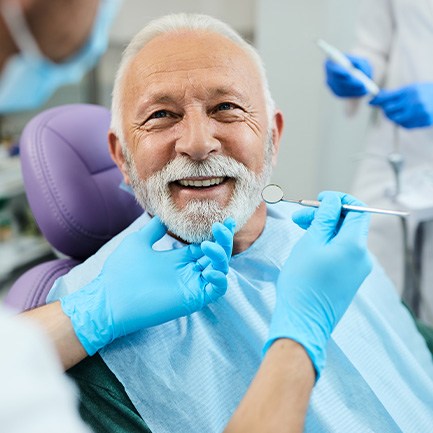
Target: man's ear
<point>277,131</point>
<point>117,154</point>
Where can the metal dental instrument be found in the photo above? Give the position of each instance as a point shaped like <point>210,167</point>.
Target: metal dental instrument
<point>273,193</point>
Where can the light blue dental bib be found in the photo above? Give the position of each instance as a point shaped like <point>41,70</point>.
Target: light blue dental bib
<point>189,375</point>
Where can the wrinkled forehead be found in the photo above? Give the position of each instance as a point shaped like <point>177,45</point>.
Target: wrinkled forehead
<point>196,58</point>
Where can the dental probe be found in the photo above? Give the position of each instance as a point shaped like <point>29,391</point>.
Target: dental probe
<point>273,193</point>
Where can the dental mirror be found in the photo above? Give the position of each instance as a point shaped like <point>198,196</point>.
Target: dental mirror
<point>272,193</point>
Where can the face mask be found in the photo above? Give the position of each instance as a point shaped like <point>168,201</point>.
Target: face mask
<point>29,78</point>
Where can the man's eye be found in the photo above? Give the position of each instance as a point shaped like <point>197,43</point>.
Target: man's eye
<point>159,114</point>
<point>225,106</point>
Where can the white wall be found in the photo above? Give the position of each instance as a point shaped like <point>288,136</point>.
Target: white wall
<point>319,140</point>
<point>134,14</point>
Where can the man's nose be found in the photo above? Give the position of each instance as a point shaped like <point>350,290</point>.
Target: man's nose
<point>197,139</point>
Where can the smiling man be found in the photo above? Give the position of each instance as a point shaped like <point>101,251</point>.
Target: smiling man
<point>195,133</point>
<point>192,134</point>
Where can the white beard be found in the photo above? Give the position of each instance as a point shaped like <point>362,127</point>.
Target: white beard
<point>194,222</point>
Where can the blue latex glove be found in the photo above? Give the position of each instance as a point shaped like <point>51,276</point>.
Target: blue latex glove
<point>321,276</point>
<point>410,106</point>
<point>139,287</point>
<point>342,83</point>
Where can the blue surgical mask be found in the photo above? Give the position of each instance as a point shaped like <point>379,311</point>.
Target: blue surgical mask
<point>29,78</point>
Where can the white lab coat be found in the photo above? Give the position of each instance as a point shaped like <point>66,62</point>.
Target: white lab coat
<point>397,37</point>
<point>35,396</point>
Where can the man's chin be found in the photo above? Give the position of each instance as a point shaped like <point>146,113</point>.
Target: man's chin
<point>192,224</point>
<point>191,236</point>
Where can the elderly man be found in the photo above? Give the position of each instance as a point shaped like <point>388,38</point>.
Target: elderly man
<point>195,133</point>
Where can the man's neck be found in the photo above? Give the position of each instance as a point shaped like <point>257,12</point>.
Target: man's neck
<point>251,230</point>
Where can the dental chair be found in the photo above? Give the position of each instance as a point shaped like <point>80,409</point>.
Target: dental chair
<point>72,187</point>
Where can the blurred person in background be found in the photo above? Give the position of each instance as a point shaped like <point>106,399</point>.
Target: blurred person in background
<point>393,44</point>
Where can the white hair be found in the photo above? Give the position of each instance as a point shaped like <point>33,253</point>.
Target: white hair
<point>172,24</point>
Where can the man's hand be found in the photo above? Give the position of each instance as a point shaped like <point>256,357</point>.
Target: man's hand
<point>139,287</point>
<point>321,276</point>
<point>342,83</point>
<point>410,106</point>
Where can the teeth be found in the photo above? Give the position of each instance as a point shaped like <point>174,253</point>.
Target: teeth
<point>202,183</point>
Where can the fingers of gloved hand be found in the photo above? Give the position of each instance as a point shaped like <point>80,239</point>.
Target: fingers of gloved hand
<point>385,97</point>
<point>327,217</point>
<point>354,229</point>
<point>152,232</point>
<point>344,84</point>
<point>362,64</point>
<point>195,251</point>
<point>335,71</point>
<point>304,217</point>
<point>403,118</point>
<point>203,262</point>
<point>406,114</point>
<point>223,236</point>
<point>355,91</point>
<point>217,256</point>
<point>395,107</point>
<point>397,114</point>
<point>410,106</point>
<point>217,284</point>
<point>353,226</point>
<point>230,223</point>
<point>346,88</point>
<point>196,254</point>
<point>422,120</point>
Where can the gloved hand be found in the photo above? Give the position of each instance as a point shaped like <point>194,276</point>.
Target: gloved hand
<point>342,83</point>
<point>139,287</point>
<point>321,276</point>
<point>410,106</point>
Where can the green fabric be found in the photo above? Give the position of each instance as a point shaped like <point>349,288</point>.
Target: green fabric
<point>104,404</point>
<point>425,330</point>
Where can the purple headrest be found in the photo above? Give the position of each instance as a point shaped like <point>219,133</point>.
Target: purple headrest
<point>71,182</point>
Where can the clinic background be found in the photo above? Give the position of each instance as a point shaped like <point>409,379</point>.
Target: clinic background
<point>320,147</point>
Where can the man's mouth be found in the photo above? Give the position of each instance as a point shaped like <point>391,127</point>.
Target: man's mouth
<point>201,183</point>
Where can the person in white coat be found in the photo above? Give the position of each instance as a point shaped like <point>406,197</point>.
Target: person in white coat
<point>394,40</point>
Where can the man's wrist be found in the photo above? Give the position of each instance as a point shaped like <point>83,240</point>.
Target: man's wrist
<point>87,311</point>
<point>307,331</point>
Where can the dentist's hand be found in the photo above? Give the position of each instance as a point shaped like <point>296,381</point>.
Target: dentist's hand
<point>139,287</point>
<point>410,106</point>
<point>342,83</point>
<point>321,276</point>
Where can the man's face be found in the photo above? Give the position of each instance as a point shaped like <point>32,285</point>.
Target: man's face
<point>196,129</point>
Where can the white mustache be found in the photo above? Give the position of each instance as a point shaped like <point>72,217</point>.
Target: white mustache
<point>215,166</point>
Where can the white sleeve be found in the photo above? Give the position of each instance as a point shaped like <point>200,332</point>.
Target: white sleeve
<point>35,394</point>
<point>375,28</point>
